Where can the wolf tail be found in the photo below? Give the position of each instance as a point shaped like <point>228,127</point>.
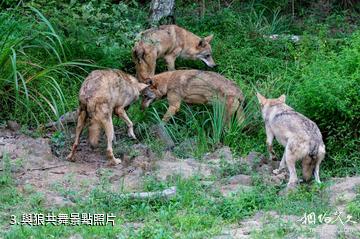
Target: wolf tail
<point>311,162</point>
<point>95,124</point>
<point>94,132</point>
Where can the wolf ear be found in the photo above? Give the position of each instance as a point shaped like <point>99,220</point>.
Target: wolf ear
<point>139,54</point>
<point>205,40</point>
<point>209,38</point>
<point>202,43</point>
<point>262,99</point>
<point>282,98</point>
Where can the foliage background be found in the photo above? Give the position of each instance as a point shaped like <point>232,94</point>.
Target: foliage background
<point>48,47</point>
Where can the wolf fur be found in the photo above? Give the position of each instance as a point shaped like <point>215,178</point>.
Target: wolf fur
<point>102,93</point>
<point>169,42</point>
<point>299,135</point>
<point>194,87</point>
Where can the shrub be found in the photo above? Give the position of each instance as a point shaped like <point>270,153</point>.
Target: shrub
<point>329,94</point>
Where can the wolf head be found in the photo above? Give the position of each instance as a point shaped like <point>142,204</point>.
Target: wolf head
<point>203,51</point>
<point>149,94</point>
<point>143,61</point>
<point>265,104</point>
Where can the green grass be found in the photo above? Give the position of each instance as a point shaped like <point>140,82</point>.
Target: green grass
<point>34,68</point>
<point>195,212</point>
<point>41,43</point>
<point>38,67</point>
<point>354,207</point>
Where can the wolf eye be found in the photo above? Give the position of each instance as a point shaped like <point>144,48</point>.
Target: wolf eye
<point>207,55</point>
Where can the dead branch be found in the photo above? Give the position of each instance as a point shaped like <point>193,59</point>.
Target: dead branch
<point>167,193</point>
<point>46,168</point>
<point>69,117</point>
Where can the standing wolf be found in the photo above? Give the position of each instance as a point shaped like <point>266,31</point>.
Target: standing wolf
<point>169,42</point>
<point>299,135</point>
<point>194,87</point>
<point>102,93</point>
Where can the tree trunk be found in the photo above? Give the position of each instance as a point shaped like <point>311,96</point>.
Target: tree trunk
<point>162,9</point>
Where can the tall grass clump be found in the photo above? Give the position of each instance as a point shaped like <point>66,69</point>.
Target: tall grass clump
<point>108,28</point>
<point>34,68</point>
<point>206,125</point>
<point>329,93</point>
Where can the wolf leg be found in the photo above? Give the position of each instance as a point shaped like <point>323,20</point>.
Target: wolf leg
<point>174,106</point>
<point>80,125</point>
<point>122,114</point>
<point>281,166</point>
<point>109,131</point>
<point>269,140</point>
<point>290,162</point>
<point>320,158</point>
<point>170,62</point>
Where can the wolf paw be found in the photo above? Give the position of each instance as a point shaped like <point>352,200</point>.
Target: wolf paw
<point>276,171</point>
<point>132,135</point>
<point>114,162</point>
<point>70,157</point>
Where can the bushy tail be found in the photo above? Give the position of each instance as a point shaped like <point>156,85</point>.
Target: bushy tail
<point>95,125</point>
<point>308,166</point>
<point>312,160</point>
<point>94,132</point>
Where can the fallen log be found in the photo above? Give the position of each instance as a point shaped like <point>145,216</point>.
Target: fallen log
<point>69,117</point>
<point>274,37</point>
<point>166,193</point>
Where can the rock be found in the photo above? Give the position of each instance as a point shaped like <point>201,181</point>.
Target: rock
<point>132,181</point>
<point>55,201</point>
<point>142,150</point>
<point>274,164</point>
<point>265,169</point>
<point>343,190</point>
<point>275,179</point>
<point>142,162</point>
<point>185,148</point>
<point>185,168</point>
<point>13,125</point>
<point>223,153</point>
<point>241,179</point>
<point>255,160</point>
<point>168,156</point>
<point>161,133</point>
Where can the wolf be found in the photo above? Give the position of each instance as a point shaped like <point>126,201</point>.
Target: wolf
<point>194,87</point>
<point>169,42</point>
<point>299,135</point>
<point>102,93</point>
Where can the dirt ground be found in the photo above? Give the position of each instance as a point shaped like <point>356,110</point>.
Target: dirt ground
<point>33,162</point>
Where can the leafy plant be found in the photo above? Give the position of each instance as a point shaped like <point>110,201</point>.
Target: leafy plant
<point>33,68</point>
